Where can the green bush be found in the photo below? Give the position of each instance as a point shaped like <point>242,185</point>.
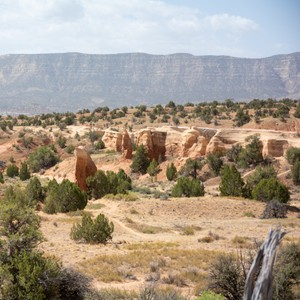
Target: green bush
<point>42,158</point>
<point>292,154</point>
<point>191,168</point>
<point>34,190</point>
<point>108,183</point>
<point>253,150</point>
<point>99,145</point>
<point>296,172</point>
<point>226,277</point>
<point>64,197</point>
<point>12,171</point>
<point>1,178</point>
<point>286,271</point>
<point>98,231</point>
<point>153,168</point>
<point>207,295</point>
<point>259,174</point>
<point>171,172</point>
<point>24,172</point>
<point>186,187</point>
<point>271,189</point>
<point>215,163</point>
<point>140,161</point>
<point>231,182</point>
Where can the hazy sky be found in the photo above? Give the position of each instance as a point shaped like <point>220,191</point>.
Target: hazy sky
<point>244,28</point>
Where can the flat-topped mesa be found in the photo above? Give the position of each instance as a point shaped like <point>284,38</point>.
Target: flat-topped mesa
<point>84,167</point>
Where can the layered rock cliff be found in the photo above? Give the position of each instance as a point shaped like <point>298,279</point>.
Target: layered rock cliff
<point>184,142</point>
<point>70,81</point>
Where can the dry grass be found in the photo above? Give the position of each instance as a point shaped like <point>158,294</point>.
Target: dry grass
<point>241,241</point>
<point>92,206</point>
<point>190,230</point>
<point>176,261</point>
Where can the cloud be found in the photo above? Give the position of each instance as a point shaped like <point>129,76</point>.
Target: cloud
<point>114,26</point>
<point>228,22</point>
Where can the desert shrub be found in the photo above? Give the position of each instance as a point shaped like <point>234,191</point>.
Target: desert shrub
<point>108,183</point>
<point>64,197</point>
<point>42,158</point>
<point>286,271</point>
<point>191,168</point>
<point>297,112</point>
<point>12,171</point>
<point>231,182</point>
<point>152,292</point>
<point>242,118</point>
<point>274,209</point>
<point>208,295</point>
<point>1,178</point>
<point>140,161</point>
<point>97,185</point>
<point>292,154</point>
<point>186,187</point>
<point>34,190</point>
<point>261,173</point>
<point>233,153</point>
<point>271,189</point>
<point>253,151</point>
<point>70,149</point>
<point>99,145</point>
<point>171,172</point>
<point>62,141</point>
<point>226,277</point>
<point>215,163</point>
<point>153,168</point>
<point>98,231</point>
<point>296,172</point>
<point>24,172</point>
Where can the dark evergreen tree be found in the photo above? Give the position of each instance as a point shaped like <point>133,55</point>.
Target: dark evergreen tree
<point>296,172</point>
<point>12,170</point>
<point>140,161</point>
<point>171,172</point>
<point>231,182</point>
<point>24,172</point>
<point>271,189</point>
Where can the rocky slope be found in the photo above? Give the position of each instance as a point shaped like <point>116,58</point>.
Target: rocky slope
<point>70,81</point>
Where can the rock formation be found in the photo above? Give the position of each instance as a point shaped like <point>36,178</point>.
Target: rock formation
<point>75,80</point>
<point>84,167</point>
<point>154,142</point>
<point>176,142</point>
<point>113,140</point>
<point>274,148</point>
<point>126,146</point>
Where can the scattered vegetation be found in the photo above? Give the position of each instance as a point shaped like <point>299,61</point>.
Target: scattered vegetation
<point>64,197</point>
<point>93,231</point>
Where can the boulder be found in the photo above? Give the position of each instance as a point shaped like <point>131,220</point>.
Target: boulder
<point>113,140</point>
<point>84,167</point>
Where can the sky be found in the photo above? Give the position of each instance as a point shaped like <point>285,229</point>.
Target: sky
<point>240,28</point>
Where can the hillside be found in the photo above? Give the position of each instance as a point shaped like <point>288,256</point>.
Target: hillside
<point>68,82</point>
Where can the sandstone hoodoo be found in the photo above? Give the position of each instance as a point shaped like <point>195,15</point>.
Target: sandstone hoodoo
<point>126,146</point>
<point>84,167</point>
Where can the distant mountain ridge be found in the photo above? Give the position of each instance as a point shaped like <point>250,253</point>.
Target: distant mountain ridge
<point>35,83</point>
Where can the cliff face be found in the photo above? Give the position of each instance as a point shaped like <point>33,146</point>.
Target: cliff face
<point>70,81</point>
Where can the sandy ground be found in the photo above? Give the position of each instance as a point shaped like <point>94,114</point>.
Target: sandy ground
<point>227,218</point>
